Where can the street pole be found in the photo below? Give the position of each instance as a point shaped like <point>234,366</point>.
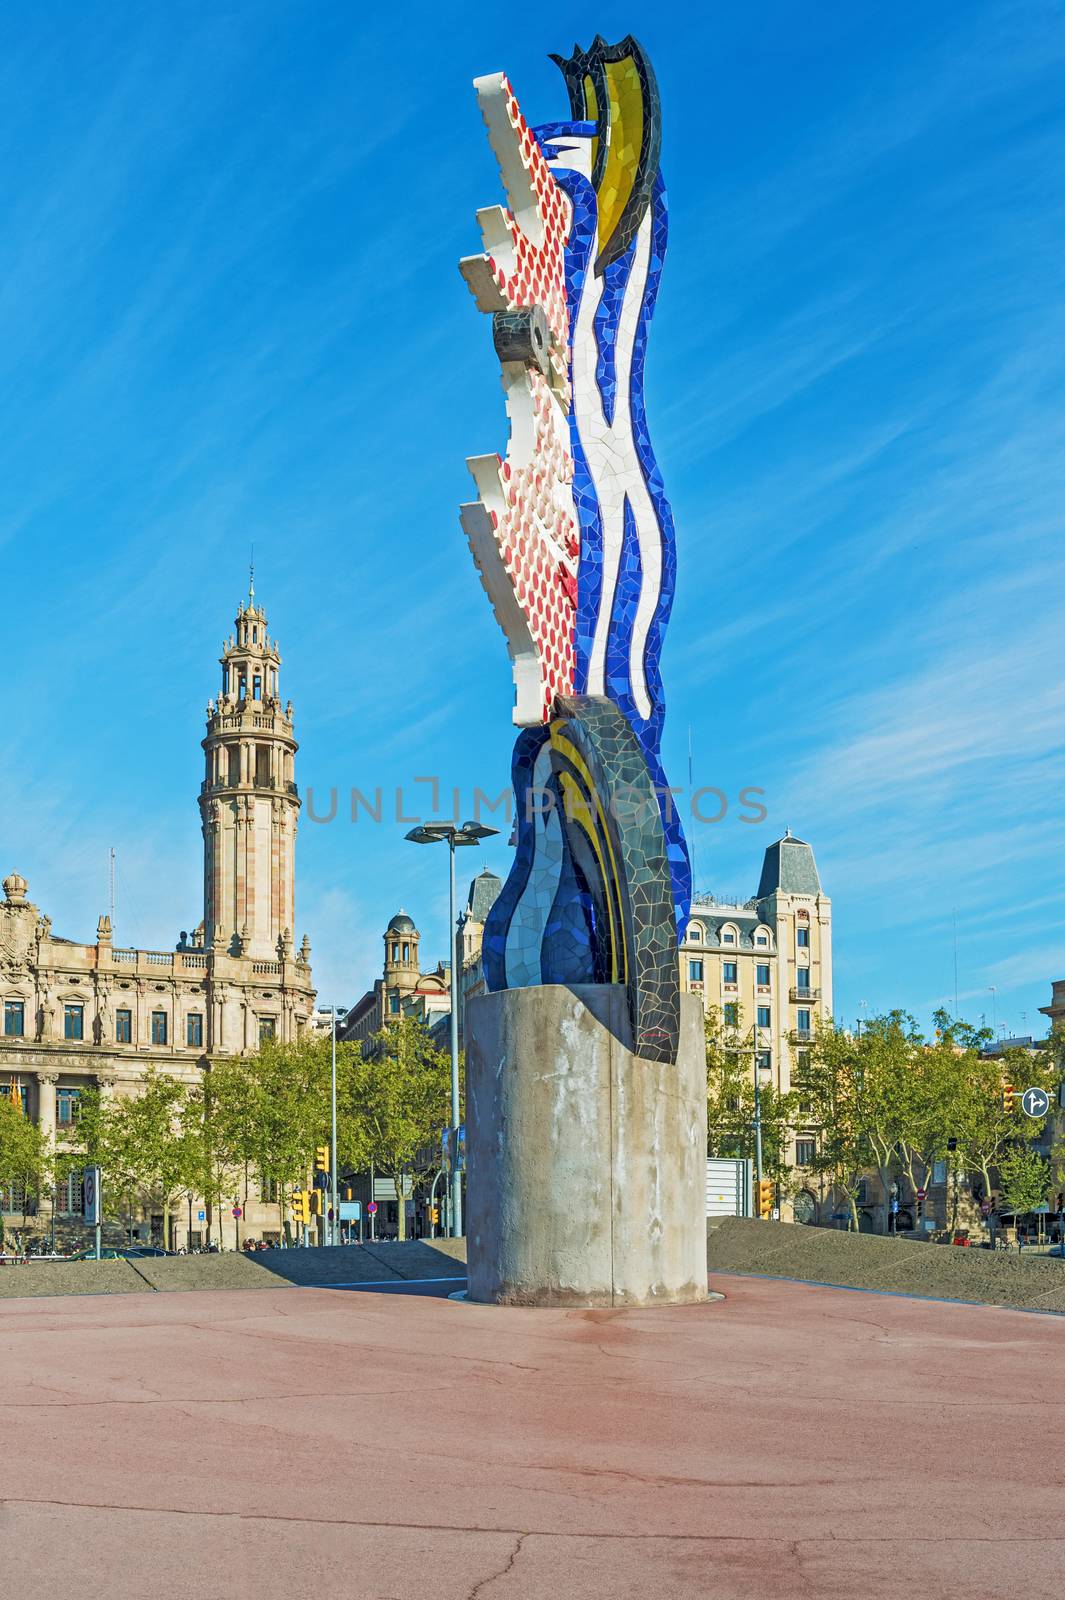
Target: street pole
<point>334,1229</point>
<point>757,1120</point>
<point>470,833</point>
<point>456,1175</point>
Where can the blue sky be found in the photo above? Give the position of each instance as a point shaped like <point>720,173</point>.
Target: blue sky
<point>230,313</point>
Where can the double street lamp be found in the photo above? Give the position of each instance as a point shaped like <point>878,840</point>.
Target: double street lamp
<point>455,837</point>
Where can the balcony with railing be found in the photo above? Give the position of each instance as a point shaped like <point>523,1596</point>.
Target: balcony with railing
<point>804,997</point>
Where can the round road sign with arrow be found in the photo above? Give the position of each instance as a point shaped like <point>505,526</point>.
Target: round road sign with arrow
<point>1035,1102</point>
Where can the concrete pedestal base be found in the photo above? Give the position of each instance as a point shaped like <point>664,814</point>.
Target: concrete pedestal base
<point>587,1164</point>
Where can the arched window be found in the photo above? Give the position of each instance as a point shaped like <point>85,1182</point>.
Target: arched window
<point>257,686</point>
<point>406,951</point>
<point>695,933</point>
<point>395,950</point>
<point>728,934</point>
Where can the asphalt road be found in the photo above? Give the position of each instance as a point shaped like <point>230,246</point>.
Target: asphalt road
<point>788,1441</point>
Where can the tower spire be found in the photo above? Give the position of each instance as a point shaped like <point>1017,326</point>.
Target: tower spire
<point>248,800</point>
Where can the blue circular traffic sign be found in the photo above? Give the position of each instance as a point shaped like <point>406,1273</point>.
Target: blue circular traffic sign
<point>1035,1102</point>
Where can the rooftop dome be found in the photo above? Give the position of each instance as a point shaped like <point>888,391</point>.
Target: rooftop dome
<point>401,923</point>
<point>15,887</point>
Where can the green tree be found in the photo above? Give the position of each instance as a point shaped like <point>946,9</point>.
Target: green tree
<point>24,1153</point>
<point>401,1098</point>
<point>264,1115</point>
<point>829,1091</point>
<point>1025,1179</point>
<point>988,1129</point>
<point>148,1144</point>
<point>730,1098</point>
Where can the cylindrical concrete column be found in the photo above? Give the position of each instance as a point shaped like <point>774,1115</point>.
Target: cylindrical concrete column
<point>587,1163</point>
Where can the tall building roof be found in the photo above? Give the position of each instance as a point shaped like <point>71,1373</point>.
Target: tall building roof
<point>484,891</point>
<point>789,868</point>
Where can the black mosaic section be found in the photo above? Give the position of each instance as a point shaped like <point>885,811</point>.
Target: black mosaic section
<point>591,63</point>
<point>635,934</point>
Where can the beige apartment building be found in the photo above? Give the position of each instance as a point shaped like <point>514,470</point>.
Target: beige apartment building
<point>767,963</point>
<point>78,1015</point>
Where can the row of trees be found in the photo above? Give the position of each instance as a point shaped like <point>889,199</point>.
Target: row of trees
<point>889,1101</point>
<point>251,1125</point>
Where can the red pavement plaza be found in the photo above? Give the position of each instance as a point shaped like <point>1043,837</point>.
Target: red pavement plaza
<point>790,1440</point>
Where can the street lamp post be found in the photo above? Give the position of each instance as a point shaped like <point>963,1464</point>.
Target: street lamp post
<point>469,833</point>
<point>757,1111</point>
<point>334,1231</point>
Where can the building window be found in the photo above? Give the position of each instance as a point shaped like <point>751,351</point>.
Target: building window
<point>123,1027</point>
<point>13,1197</point>
<point>10,1090</point>
<point>406,952</point>
<point>732,1014</point>
<point>66,1106</point>
<point>395,952</point>
<point>729,971</point>
<point>68,1195</point>
<point>393,1004</point>
<point>194,1030</point>
<point>761,940</point>
<point>805,1152</point>
<point>765,1018</point>
<point>802,978</point>
<point>764,1060</point>
<point>695,933</point>
<point>802,938</point>
<point>267,1028</point>
<point>761,974</point>
<point>73,1022</point>
<point>158,1027</point>
<point>268,1191</point>
<point>695,972</point>
<point>728,937</point>
<point>802,1021</point>
<point>14,1018</point>
<point>257,686</point>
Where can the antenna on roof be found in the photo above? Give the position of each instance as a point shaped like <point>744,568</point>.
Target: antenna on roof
<point>251,574</point>
<point>111,886</point>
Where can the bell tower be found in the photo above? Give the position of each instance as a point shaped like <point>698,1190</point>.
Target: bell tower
<point>248,801</point>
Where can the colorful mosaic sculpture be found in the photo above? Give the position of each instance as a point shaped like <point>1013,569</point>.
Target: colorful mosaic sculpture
<point>573,537</point>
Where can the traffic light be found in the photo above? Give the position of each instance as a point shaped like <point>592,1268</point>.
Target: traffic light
<point>301,1209</point>
<point>315,1199</point>
<point>1009,1098</point>
<point>434,1215</point>
<point>764,1198</point>
<point>321,1158</point>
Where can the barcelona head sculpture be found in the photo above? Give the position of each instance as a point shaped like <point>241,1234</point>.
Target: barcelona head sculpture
<point>573,537</point>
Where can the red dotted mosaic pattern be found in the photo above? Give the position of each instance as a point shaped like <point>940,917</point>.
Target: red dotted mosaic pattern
<point>537,533</point>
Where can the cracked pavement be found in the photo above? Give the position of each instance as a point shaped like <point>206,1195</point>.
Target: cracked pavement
<point>790,1440</point>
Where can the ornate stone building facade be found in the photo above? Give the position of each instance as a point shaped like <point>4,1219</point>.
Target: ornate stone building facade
<point>767,962</point>
<point>80,1015</point>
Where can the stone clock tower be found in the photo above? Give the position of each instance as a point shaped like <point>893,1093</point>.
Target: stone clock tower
<point>248,803</point>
